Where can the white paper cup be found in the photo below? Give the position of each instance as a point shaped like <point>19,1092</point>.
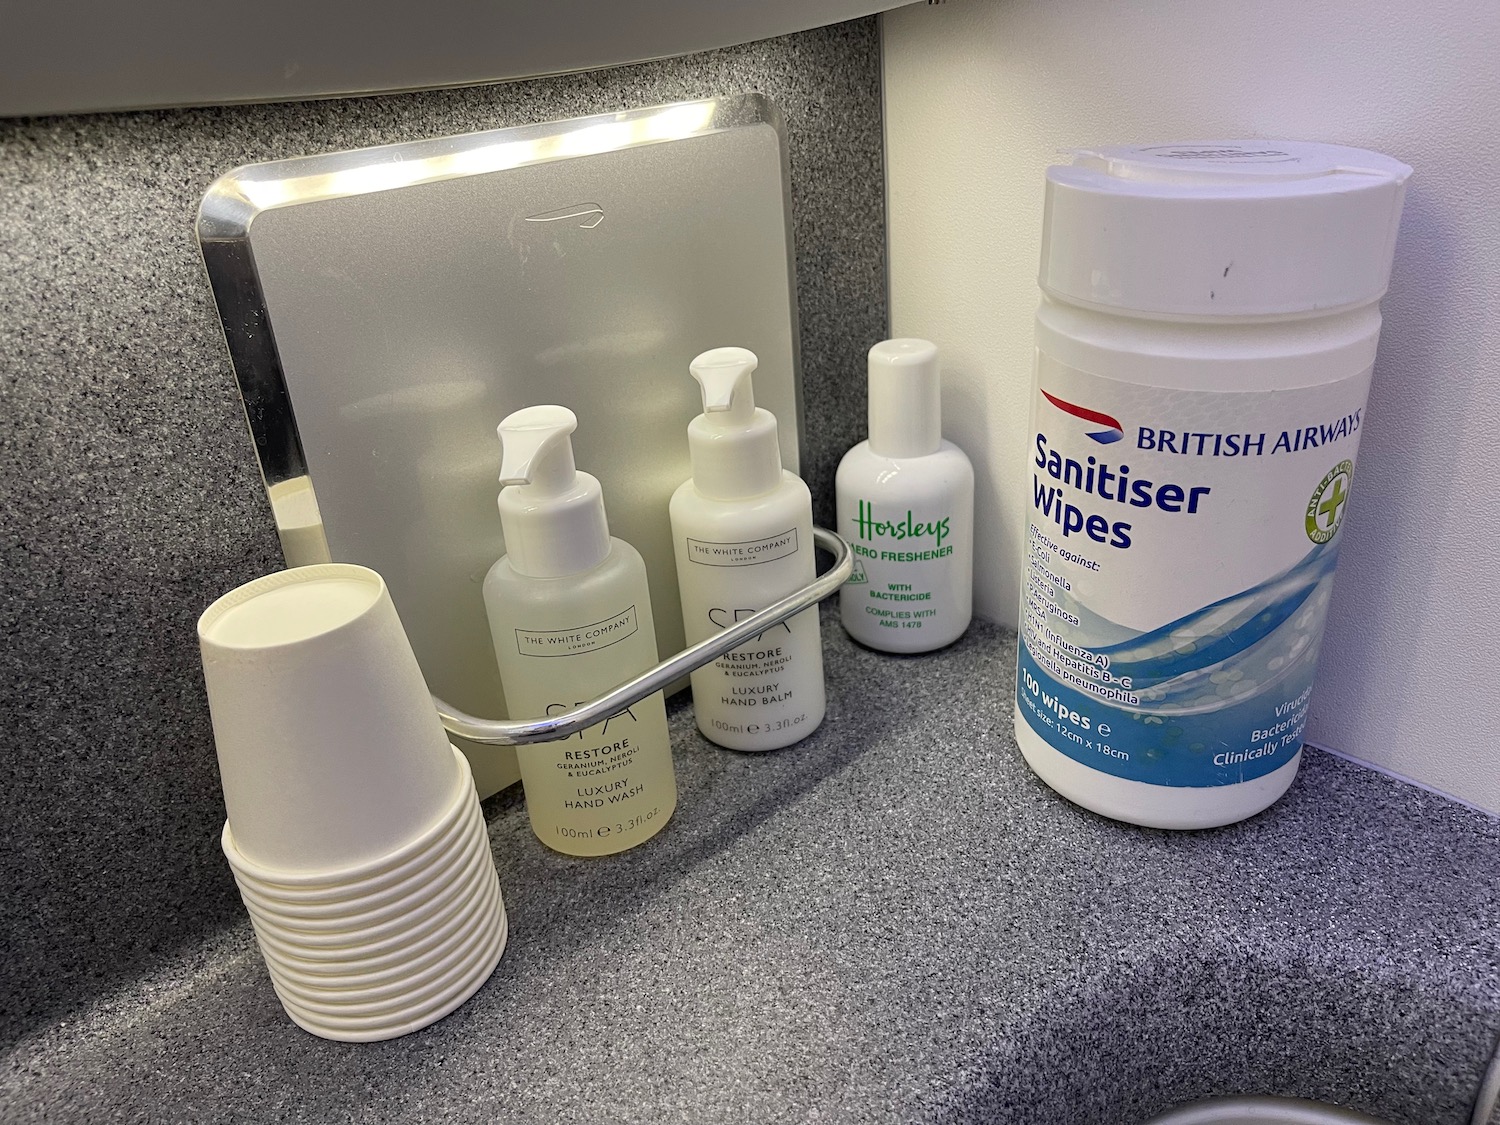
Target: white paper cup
<point>336,963</point>
<point>423,910</point>
<point>342,884</point>
<point>402,1021</point>
<point>360,996</point>
<point>407,970</point>
<point>423,916</point>
<point>330,751</point>
<point>483,916</point>
<point>351,951</point>
<point>386,978</point>
<point>446,883</point>
<point>468,836</point>
<point>401,1006</point>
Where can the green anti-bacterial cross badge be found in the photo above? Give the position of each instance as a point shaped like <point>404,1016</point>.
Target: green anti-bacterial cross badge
<point>1325,511</point>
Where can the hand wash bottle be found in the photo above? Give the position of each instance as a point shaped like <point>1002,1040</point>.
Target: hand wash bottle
<point>570,616</point>
<point>742,533</point>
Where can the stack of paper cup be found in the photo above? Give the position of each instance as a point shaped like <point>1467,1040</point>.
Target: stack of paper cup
<point>354,831</point>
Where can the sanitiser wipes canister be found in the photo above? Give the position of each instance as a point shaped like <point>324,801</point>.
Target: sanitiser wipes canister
<point>1203,357</point>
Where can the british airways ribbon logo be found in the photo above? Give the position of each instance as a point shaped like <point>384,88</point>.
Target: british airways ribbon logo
<point>1104,437</point>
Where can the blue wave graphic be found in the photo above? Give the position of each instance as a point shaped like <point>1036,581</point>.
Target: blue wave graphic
<point>1242,648</point>
<point>1224,629</point>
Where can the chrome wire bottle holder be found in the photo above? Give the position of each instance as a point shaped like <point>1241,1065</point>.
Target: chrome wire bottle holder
<point>524,732</point>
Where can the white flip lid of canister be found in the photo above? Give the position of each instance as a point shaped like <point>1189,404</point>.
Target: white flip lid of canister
<point>1221,228</point>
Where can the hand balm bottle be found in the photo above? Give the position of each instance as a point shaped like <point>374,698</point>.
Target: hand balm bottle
<point>570,616</point>
<point>906,506</point>
<point>742,533</point>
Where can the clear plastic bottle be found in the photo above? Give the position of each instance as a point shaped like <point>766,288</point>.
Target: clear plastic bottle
<point>742,533</point>
<point>570,615</point>
<point>1204,348</point>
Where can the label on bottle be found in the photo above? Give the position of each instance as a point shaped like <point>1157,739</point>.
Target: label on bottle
<point>611,785</point>
<point>749,553</point>
<point>767,692</point>
<point>598,786</point>
<point>902,579</point>
<point>585,638</point>
<point>1179,557</point>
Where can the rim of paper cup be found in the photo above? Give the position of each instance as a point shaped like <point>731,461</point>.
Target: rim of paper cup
<point>354,998</point>
<point>360,1000</point>
<point>336,962</point>
<point>383,1029</point>
<point>459,818</point>
<point>445,872</point>
<point>371,1029</point>
<point>403,969</point>
<point>292,576</point>
<point>439,867</point>
<point>340,879</point>
<point>398,1006</point>
<point>412,922</point>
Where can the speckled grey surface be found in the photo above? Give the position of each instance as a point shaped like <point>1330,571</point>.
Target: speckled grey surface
<point>892,922</point>
<point>131,495</point>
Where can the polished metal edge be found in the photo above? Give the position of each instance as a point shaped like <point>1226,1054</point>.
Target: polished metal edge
<point>769,114</point>
<point>524,732</point>
<point>1262,1111</point>
<point>267,403</point>
<point>233,201</point>
<point>1488,1099</point>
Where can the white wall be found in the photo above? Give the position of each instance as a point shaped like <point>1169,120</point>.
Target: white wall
<point>979,96</point>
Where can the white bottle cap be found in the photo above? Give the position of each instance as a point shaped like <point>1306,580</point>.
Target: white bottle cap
<point>905,399</point>
<point>1222,228</point>
<point>733,442</point>
<point>552,515</point>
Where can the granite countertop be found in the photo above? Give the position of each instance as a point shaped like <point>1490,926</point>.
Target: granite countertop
<point>893,921</point>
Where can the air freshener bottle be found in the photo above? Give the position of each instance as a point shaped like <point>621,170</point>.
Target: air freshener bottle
<point>906,506</point>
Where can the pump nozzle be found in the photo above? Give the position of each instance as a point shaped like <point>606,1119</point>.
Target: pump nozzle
<point>552,515</point>
<point>724,375</point>
<point>535,449</point>
<point>733,445</point>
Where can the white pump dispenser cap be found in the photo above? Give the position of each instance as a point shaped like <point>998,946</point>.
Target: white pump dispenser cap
<point>552,515</point>
<point>905,397</point>
<point>733,442</point>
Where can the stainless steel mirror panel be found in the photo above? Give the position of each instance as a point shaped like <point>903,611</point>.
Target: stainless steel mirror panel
<point>386,308</point>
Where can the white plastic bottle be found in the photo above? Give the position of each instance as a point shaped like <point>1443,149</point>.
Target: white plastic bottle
<point>906,506</point>
<point>742,533</point>
<point>1203,355</point>
<point>570,616</point>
